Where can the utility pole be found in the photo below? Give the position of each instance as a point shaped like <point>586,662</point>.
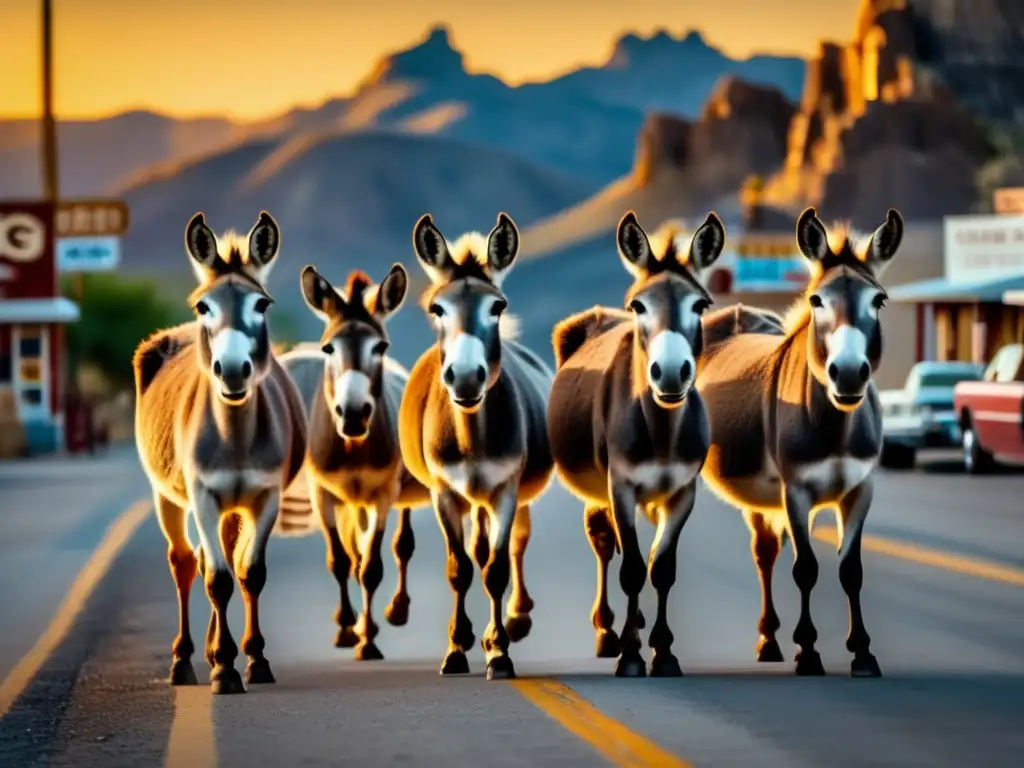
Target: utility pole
<point>51,190</point>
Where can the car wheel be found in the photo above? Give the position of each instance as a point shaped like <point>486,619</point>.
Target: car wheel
<point>976,459</point>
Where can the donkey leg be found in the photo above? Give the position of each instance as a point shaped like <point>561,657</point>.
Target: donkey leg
<point>251,567</point>
<point>601,534</point>
<point>853,510</point>
<point>403,545</point>
<point>517,611</point>
<point>371,573</point>
<point>495,640</point>
<point>182,561</point>
<point>632,574</point>
<point>765,543</point>
<point>479,538</point>
<point>338,564</point>
<point>799,503</point>
<point>220,585</point>
<point>662,569</point>
<point>450,509</point>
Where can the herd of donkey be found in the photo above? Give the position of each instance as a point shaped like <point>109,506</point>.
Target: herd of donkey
<point>779,416</point>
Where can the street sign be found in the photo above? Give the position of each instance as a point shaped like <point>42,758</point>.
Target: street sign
<point>1008,200</point>
<point>88,254</point>
<point>26,250</point>
<point>91,218</point>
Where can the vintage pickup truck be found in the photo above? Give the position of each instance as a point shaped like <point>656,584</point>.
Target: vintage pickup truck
<point>991,412</point>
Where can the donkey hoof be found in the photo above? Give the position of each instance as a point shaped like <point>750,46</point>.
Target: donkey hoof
<point>182,673</point>
<point>397,612</point>
<point>665,665</point>
<point>368,651</point>
<point>455,663</point>
<point>258,672</point>
<point>500,668</point>
<point>630,666</point>
<point>865,665</point>
<point>768,650</point>
<point>607,645</point>
<point>518,626</point>
<point>346,638</point>
<point>225,680</point>
<point>641,622</point>
<point>808,664</point>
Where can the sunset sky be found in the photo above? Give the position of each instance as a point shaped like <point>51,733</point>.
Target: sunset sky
<point>251,58</point>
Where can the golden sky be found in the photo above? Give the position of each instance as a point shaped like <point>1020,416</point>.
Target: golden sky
<point>251,58</point>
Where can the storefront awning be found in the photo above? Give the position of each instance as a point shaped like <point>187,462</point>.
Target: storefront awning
<point>941,289</point>
<point>58,310</point>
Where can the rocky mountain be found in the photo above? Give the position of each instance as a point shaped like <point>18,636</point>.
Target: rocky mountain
<point>582,123</point>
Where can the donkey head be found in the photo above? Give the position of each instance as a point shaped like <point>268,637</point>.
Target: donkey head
<point>231,303</point>
<point>354,342</point>
<point>465,302</point>
<point>845,296</point>
<point>667,301</point>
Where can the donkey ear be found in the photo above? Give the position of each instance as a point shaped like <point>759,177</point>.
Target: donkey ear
<point>502,247</point>
<point>264,243</point>
<point>392,290</point>
<point>431,247</point>
<point>319,294</point>
<point>886,240</point>
<point>707,243</point>
<point>634,247</point>
<point>811,236</point>
<point>201,244</point>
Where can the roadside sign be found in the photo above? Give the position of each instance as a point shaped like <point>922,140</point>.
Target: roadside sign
<point>1008,200</point>
<point>27,250</point>
<point>88,254</point>
<point>91,218</point>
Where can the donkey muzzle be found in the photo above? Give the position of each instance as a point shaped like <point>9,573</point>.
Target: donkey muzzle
<point>354,420</point>
<point>234,380</point>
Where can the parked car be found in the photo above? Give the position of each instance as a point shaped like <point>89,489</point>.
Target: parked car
<point>990,412</point>
<point>921,415</point>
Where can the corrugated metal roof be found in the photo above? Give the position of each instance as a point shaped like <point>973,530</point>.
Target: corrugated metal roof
<point>942,289</point>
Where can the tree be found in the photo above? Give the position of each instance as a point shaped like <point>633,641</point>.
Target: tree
<point>1005,168</point>
<point>116,314</point>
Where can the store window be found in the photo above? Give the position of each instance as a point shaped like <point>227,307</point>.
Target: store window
<point>30,347</point>
<point>6,369</point>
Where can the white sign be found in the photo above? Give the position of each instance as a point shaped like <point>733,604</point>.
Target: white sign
<point>88,254</point>
<point>981,248</point>
<point>1008,200</point>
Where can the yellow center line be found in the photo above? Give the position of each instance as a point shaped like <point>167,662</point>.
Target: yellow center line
<point>118,534</point>
<point>969,566</point>
<point>190,743</point>
<point>621,746</point>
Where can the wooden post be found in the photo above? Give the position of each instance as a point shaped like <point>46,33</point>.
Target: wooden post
<point>51,188</point>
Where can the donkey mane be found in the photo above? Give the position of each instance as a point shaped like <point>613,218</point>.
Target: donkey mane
<point>232,259</point>
<point>848,248</point>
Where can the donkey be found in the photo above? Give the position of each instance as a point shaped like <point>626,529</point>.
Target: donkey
<point>220,431</point>
<point>353,459</point>
<point>472,427</point>
<point>797,426</point>
<point>629,432</point>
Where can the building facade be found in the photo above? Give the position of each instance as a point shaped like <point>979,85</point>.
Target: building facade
<point>32,319</point>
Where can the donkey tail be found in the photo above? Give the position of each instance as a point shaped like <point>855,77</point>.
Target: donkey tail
<point>295,517</point>
<point>573,332</point>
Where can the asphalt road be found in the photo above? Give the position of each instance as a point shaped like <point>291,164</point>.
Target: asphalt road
<point>943,596</point>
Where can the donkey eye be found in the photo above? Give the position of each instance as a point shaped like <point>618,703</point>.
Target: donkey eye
<point>815,300</point>
<point>262,305</point>
<point>878,302</point>
<point>436,310</point>
<point>498,307</point>
<point>638,307</point>
<point>380,348</point>
<point>327,349</point>
<point>202,308</point>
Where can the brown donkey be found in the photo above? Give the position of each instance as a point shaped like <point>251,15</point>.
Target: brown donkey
<point>220,430</point>
<point>629,432</point>
<point>472,427</point>
<point>353,460</point>
<point>797,426</point>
